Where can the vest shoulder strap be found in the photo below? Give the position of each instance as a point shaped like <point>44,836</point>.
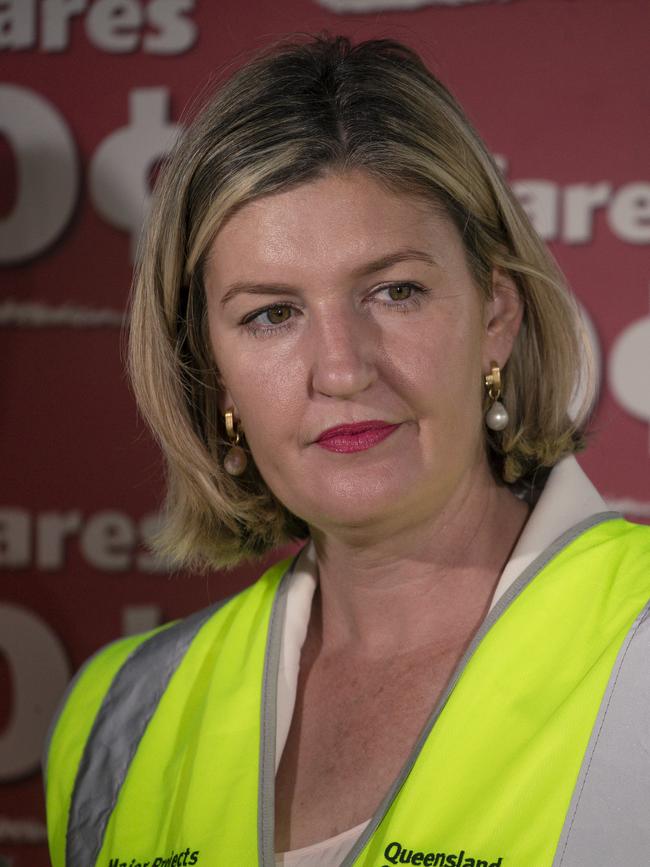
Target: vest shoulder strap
<point>607,821</point>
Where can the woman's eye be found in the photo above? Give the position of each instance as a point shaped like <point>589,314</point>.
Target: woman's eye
<point>269,318</point>
<point>400,295</point>
<point>278,314</point>
<point>400,292</point>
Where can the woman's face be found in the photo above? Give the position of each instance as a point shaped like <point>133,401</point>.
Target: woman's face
<point>339,303</point>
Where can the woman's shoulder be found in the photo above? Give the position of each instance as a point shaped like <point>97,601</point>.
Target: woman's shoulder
<point>127,662</point>
<point>629,537</point>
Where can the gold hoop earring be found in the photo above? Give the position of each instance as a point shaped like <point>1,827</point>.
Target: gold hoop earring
<point>235,461</point>
<point>496,418</point>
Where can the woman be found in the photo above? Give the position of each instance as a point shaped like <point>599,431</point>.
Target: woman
<point>344,330</point>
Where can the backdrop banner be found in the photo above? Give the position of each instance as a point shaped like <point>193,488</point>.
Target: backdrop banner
<point>92,95</point>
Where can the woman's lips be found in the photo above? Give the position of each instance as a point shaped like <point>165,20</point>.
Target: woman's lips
<point>355,437</point>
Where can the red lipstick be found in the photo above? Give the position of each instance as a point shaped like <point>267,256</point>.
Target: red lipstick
<point>357,437</point>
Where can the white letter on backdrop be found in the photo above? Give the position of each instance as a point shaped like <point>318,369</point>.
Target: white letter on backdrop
<point>114,25</point>
<point>17,24</point>
<point>628,368</point>
<point>46,164</point>
<point>140,618</point>
<point>580,202</point>
<point>119,171</point>
<point>629,215</point>
<point>52,530</point>
<point>176,33</point>
<point>539,199</point>
<point>15,538</point>
<point>107,541</point>
<point>39,674</point>
<point>55,35</point>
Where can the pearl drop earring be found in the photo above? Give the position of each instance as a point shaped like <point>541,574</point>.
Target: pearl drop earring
<point>496,418</point>
<point>235,461</point>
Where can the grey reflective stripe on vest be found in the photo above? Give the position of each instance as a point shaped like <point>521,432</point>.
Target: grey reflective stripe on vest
<point>506,600</point>
<point>123,717</point>
<point>608,822</point>
<point>62,703</point>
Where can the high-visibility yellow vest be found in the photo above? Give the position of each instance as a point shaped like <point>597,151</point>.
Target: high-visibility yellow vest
<point>163,754</point>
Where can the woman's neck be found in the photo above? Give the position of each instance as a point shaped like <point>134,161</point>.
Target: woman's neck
<point>415,583</point>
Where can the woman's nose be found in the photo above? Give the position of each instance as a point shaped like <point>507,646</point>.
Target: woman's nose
<point>344,350</point>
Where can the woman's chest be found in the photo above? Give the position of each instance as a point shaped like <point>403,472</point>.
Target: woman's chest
<point>353,729</point>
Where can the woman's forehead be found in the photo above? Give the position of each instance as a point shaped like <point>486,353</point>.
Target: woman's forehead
<point>341,220</point>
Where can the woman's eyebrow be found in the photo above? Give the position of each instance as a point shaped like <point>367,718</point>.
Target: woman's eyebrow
<point>256,289</point>
<point>365,270</point>
<point>403,255</point>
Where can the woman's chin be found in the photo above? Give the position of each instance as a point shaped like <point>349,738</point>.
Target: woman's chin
<point>350,507</point>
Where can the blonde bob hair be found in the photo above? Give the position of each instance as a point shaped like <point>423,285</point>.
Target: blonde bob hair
<point>300,109</point>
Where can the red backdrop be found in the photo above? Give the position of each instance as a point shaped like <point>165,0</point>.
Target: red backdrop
<point>90,94</point>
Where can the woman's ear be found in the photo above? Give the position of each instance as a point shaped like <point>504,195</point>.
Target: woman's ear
<point>226,402</point>
<point>502,319</point>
